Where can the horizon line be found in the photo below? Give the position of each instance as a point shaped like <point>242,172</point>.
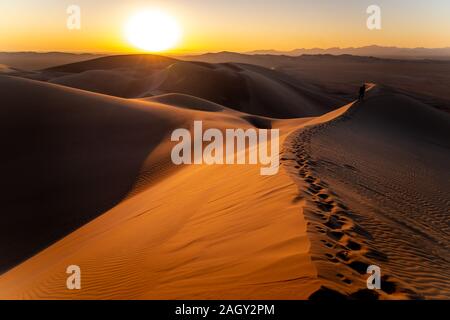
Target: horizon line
<point>218,51</point>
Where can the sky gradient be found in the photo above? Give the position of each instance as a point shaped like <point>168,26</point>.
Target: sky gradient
<point>232,25</point>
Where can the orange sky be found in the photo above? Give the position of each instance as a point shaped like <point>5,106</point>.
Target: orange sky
<point>213,25</point>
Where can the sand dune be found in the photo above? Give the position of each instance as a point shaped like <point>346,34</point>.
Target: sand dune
<point>142,61</point>
<point>30,61</point>
<point>162,240</point>
<point>340,76</point>
<point>201,232</point>
<point>247,88</point>
<point>381,199</point>
<point>79,154</point>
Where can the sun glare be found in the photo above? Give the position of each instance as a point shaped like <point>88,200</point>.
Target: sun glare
<point>153,30</point>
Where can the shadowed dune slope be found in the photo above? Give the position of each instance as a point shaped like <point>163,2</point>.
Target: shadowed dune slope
<point>381,199</point>
<point>69,155</point>
<point>246,88</point>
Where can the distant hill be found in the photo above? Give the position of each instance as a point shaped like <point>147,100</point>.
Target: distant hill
<point>375,51</point>
<point>40,60</point>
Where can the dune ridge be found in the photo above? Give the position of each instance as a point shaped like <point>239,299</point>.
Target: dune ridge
<point>242,87</point>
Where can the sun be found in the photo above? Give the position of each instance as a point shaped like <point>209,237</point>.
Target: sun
<point>153,30</point>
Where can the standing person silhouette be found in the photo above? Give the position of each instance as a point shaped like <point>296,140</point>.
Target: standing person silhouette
<point>362,91</point>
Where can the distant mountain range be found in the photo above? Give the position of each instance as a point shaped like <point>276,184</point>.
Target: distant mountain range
<point>375,51</point>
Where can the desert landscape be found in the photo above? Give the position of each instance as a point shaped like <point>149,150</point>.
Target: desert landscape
<point>89,181</point>
<point>199,151</point>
